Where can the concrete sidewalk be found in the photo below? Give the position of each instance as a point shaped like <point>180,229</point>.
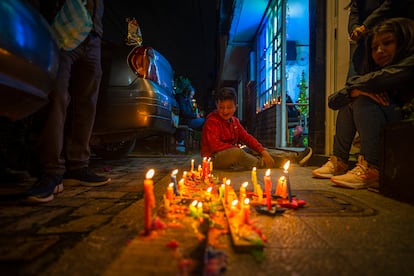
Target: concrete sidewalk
<point>85,230</point>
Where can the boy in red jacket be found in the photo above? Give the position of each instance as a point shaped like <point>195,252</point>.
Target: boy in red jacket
<point>222,135</point>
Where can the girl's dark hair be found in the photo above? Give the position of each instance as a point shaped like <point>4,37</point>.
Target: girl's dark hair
<point>403,28</point>
<point>226,93</point>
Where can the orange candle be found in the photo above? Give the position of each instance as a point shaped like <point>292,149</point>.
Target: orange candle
<point>149,200</point>
<point>170,192</point>
<point>281,187</point>
<point>268,188</point>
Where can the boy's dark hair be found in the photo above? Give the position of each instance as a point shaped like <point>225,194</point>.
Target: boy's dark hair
<point>226,93</point>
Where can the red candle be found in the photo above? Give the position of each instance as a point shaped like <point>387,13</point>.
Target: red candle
<point>149,199</point>
<point>268,188</point>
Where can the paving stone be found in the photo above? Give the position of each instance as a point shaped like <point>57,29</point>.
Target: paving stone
<point>81,224</point>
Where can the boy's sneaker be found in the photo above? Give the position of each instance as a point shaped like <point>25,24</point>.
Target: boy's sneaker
<point>359,177</point>
<point>334,166</point>
<point>44,188</point>
<point>84,177</point>
<point>304,156</point>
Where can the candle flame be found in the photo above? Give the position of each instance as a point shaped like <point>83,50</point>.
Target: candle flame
<point>171,185</point>
<point>194,203</point>
<point>245,184</point>
<point>246,201</point>
<point>282,178</point>
<point>228,182</point>
<point>286,165</point>
<point>268,172</point>
<point>204,158</point>
<point>150,174</point>
<point>174,172</point>
<point>209,189</point>
<point>200,204</point>
<point>235,202</point>
<point>254,169</point>
<point>222,185</point>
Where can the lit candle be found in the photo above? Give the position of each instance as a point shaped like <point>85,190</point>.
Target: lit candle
<point>170,192</point>
<point>205,168</point>
<point>174,181</point>
<point>286,172</point>
<point>246,211</point>
<point>233,207</point>
<point>200,209</point>
<point>221,191</point>
<point>193,209</point>
<point>281,187</point>
<point>268,187</point>
<point>226,191</point>
<point>192,165</point>
<point>208,193</point>
<point>243,192</point>
<point>254,180</point>
<point>180,186</point>
<point>211,165</point>
<point>149,199</point>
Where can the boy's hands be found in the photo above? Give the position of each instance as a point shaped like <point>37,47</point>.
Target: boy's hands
<point>267,160</point>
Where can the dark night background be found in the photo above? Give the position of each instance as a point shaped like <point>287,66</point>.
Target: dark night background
<point>183,31</point>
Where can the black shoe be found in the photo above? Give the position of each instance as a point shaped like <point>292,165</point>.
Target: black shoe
<point>44,188</point>
<point>84,177</point>
<point>304,156</point>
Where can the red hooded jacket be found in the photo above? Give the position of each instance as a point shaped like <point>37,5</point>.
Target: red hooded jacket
<point>219,134</point>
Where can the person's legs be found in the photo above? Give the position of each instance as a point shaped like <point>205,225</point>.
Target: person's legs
<point>84,91</point>
<point>345,133</point>
<point>196,124</point>
<point>50,142</point>
<point>370,118</point>
<point>234,158</point>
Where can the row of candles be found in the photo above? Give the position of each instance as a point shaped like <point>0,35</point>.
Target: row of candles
<point>282,189</point>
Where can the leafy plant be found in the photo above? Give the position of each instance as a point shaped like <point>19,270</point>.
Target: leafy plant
<point>180,83</point>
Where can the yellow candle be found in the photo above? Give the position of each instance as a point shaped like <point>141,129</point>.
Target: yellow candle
<point>246,211</point>
<point>208,193</point>
<point>254,180</point>
<point>192,165</point>
<point>226,191</point>
<point>243,192</point>
<point>200,209</point>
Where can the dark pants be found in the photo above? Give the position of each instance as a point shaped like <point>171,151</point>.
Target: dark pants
<point>368,118</point>
<point>64,140</point>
